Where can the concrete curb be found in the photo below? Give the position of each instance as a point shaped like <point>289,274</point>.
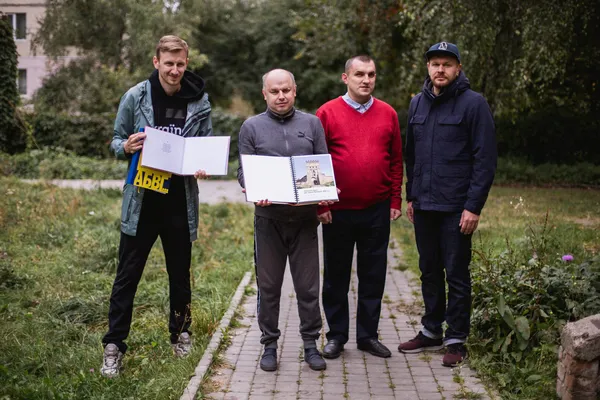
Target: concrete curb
<point>190,391</point>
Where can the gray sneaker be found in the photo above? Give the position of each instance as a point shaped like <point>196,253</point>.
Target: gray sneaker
<point>113,361</point>
<point>183,347</point>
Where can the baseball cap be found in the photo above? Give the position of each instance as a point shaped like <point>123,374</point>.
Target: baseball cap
<point>443,48</point>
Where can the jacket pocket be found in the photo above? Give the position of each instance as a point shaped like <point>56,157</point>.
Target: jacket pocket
<point>450,129</point>
<point>453,183</point>
<point>415,185</point>
<point>128,200</point>
<point>418,125</point>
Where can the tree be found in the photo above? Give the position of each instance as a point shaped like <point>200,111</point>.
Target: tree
<point>12,127</point>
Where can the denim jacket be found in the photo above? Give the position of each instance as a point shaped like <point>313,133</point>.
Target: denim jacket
<point>135,112</point>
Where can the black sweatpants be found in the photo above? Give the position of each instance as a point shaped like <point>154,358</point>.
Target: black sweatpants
<point>274,242</point>
<point>172,227</point>
<point>369,229</point>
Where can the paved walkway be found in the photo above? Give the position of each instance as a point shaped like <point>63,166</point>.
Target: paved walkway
<point>210,191</point>
<point>355,375</point>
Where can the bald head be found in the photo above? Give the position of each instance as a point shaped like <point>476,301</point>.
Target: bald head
<point>279,90</point>
<point>277,74</point>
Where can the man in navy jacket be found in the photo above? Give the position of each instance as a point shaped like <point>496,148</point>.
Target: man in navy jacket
<point>450,164</point>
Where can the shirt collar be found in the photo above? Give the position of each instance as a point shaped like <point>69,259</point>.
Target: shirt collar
<point>361,108</point>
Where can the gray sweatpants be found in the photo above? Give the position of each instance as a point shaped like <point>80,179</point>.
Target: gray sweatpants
<point>274,241</point>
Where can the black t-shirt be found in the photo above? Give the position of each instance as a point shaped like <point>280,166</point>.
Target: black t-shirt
<point>170,113</point>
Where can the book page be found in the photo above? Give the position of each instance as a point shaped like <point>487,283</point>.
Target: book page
<point>210,153</point>
<point>162,150</point>
<point>315,180</point>
<point>269,178</point>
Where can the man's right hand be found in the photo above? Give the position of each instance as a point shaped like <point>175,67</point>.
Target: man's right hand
<point>134,142</point>
<point>410,212</point>
<point>325,218</point>
<point>263,203</point>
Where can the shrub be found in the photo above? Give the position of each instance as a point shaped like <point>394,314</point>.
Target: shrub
<point>514,170</point>
<point>13,130</point>
<point>523,296</point>
<point>57,163</point>
<point>550,135</point>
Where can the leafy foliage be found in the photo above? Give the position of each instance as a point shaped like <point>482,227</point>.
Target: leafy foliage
<point>12,127</point>
<point>523,296</point>
<point>57,163</point>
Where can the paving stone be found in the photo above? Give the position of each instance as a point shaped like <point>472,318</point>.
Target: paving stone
<point>356,375</point>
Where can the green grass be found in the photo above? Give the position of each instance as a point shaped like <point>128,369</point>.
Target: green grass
<point>516,217</point>
<point>510,213</point>
<point>58,252</point>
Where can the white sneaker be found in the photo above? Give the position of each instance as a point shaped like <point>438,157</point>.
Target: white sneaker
<point>113,361</point>
<point>183,347</point>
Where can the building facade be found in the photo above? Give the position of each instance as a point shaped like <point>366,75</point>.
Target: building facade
<point>25,16</point>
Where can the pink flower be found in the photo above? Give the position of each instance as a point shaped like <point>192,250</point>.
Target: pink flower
<point>567,257</point>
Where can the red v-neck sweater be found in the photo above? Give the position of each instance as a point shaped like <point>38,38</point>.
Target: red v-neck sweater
<point>366,150</point>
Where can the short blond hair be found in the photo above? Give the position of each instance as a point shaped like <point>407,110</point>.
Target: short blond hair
<point>171,43</point>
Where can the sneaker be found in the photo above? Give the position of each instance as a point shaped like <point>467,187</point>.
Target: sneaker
<point>314,359</point>
<point>268,361</point>
<point>113,361</point>
<point>456,353</point>
<point>420,343</point>
<point>183,347</point>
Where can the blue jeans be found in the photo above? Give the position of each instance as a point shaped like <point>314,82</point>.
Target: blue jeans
<point>442,248</point>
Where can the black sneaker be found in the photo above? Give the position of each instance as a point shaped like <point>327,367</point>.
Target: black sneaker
<point>456,353</point>
<point>314,359</point>
<point>420,343</point>
<point>268,361</point>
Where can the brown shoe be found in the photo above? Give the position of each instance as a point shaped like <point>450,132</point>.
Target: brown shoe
<point>420,343</point>
<point>455,354</point>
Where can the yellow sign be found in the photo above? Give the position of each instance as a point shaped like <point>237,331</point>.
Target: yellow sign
<point>152,179</point>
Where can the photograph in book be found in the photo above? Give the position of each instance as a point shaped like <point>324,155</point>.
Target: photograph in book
<point>315,180</point>
<point>289,180</point>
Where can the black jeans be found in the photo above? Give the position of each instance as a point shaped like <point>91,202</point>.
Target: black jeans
<point>443,248</point>
<point>369,229</point>
<point>172,227</point>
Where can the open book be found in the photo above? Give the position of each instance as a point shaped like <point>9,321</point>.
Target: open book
<point>185,155</point>
<point>297,179</point>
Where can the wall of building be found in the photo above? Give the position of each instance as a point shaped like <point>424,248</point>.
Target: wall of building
<point>37,66</point>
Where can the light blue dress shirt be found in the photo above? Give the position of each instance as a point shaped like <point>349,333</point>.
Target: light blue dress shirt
<point>361,108</point>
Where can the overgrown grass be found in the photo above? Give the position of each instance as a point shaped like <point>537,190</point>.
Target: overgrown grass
<point>58,252</point>
<point>523,292</point>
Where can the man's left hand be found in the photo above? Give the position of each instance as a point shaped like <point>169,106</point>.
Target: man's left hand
<point>395,214</point>
<point>468,222</point>
<point>200,174</point>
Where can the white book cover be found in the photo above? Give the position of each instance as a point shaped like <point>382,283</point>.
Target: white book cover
<point>184,156</point>
<point>289,180</point>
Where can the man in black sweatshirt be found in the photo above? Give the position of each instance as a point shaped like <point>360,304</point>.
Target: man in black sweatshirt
<point>282,231</point>
<point>172,100</point>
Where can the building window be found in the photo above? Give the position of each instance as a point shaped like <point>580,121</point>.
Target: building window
<point>22,81</point>
<point>19,24</point>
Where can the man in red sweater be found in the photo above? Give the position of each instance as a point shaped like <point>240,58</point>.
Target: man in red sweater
<point>363,138</point>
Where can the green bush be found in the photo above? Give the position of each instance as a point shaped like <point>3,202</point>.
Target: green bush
<point>523,296</point>
<point>13,130</point>
<point>550,135</point>
<point>84,134</point>
<point>513,170</point>
<point>57,163</point>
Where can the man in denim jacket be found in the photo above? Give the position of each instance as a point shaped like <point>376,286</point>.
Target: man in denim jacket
<point>450,165</point>
<point>172,100</point>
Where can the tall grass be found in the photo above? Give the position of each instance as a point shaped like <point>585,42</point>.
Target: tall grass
<point>58,256</point>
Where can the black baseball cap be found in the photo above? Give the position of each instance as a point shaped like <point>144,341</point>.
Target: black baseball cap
<point>443,48</point>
